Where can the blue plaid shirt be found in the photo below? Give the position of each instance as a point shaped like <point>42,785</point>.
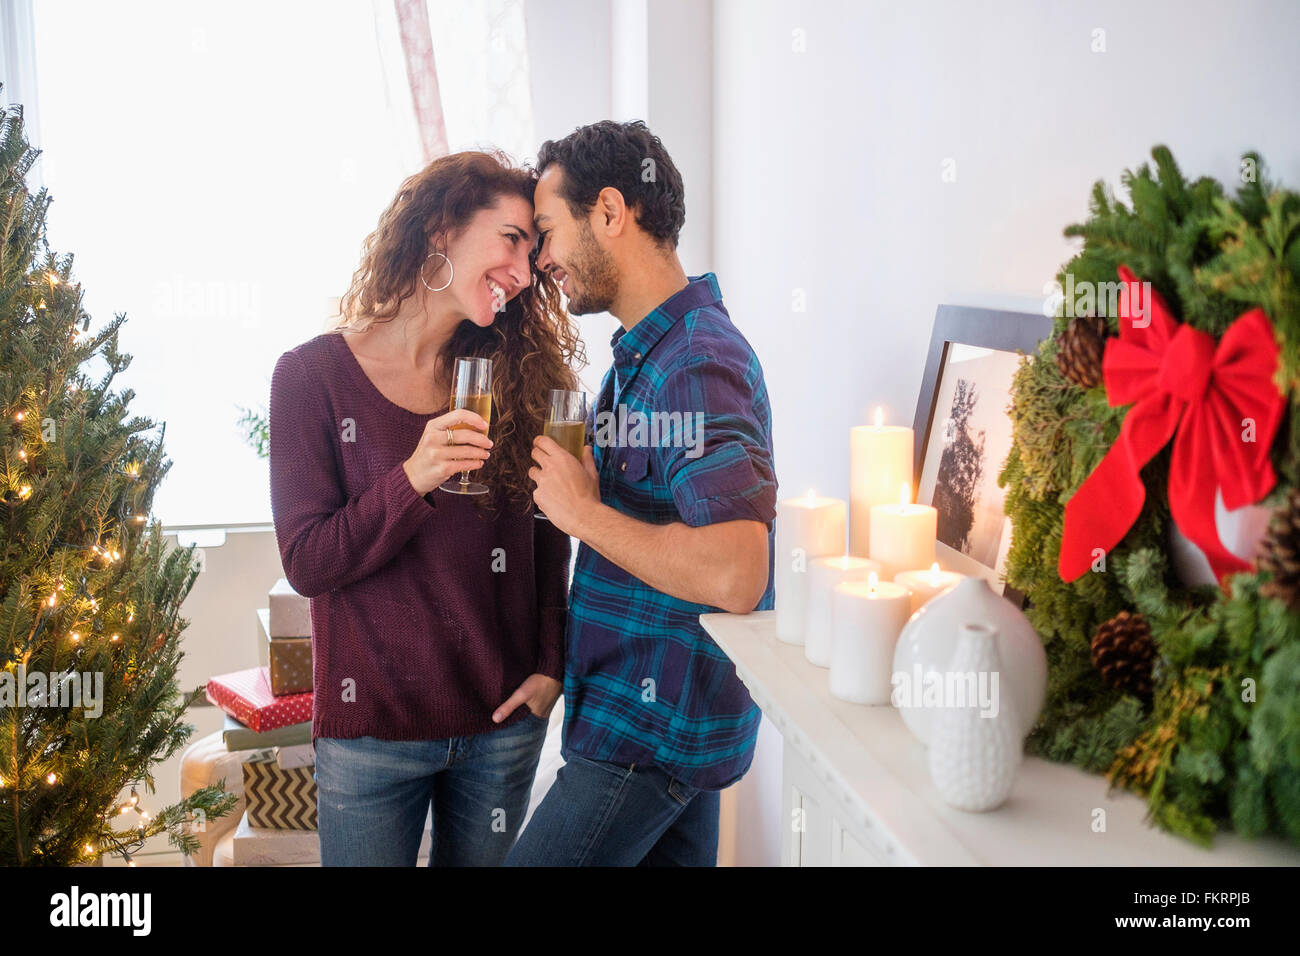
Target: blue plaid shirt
<point>643,683</point>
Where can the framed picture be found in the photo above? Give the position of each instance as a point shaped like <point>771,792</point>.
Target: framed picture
<point>963,433</point>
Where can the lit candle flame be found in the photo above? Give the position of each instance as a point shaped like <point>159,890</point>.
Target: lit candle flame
<point>905,493</point>
<point>812,497</point>
<point>873,579</point>
<point>880,416</point>
<point>934,575</point>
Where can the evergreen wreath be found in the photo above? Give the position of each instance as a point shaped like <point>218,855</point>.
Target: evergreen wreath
<point>1217,745</point>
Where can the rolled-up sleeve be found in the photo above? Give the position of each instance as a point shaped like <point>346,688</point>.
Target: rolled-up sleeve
<point>722,469</point>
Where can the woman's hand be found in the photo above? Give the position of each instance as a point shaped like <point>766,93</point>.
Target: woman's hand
<point>538,692</point>
<point>434,460</point>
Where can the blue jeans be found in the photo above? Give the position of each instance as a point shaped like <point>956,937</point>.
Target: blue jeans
<point>372,796</point>
<point>605,814</point>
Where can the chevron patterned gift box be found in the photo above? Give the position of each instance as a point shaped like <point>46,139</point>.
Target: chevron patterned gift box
<point>278,798</point>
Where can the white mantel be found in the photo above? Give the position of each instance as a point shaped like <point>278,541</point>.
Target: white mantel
<point>862,784</point>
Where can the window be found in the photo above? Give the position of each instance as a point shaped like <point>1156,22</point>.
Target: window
<point>214,168</point>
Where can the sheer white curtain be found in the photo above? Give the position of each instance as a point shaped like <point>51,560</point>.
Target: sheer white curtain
<point>466,63</point>
<point>215,166</point>
<point>18,73</point>
<point>482,52</point>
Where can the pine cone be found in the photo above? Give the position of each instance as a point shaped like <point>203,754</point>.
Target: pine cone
<point>1279,553</point>
<point>1124,653</point>
<point>1079,349</point>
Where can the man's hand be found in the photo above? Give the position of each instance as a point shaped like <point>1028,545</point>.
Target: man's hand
<point>538,693</point>
<point>567,489</point>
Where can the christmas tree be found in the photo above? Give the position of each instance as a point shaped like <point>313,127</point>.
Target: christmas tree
<point>89,594</point>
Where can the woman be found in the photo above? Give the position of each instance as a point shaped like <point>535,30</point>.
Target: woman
<point>437,618</point>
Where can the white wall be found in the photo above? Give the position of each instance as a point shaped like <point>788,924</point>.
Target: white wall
<point>569,44</point>
<point>827,169</point>
<point>624,60</point>
<point>827,179</point>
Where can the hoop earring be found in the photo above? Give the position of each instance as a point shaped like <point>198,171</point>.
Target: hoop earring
<point>449,278</point>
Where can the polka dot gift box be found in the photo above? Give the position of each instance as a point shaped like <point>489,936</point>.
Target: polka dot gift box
<point>246,696</point>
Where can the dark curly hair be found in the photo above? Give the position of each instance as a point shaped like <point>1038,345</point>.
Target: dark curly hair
<point>631,159</point>
<point>533,343</point>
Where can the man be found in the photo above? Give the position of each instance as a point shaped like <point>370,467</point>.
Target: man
<point>673,509</point>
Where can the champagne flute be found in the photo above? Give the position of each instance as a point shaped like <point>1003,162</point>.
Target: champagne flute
<point>566,423</point>
<point>471,388</point>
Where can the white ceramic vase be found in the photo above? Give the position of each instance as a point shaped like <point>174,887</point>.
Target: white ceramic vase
<point>929,639</point>
<point>975,748</point>
<point>1240,531</point>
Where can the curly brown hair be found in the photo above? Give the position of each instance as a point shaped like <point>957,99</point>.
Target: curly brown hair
<point>533,343</point>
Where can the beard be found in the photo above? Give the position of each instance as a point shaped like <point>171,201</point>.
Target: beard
<point>594,274</point>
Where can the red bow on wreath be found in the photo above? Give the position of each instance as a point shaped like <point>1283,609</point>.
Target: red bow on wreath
<point>1224,406</point>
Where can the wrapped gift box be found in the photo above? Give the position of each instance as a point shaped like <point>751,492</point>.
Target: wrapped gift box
<point>279,798</point>
<point>290,611</point>
<point>247,696</point>
<point>301,755</point>
<point>239,737</point>
<point>290,665</point>
<point>288,658</point>
<point>248,845</point>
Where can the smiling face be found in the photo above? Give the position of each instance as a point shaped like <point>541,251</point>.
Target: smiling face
<point>489,259</point>
<point>570,252</point>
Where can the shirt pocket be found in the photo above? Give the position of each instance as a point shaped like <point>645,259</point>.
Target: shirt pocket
<point>635,486</point>
<point>633,465</point>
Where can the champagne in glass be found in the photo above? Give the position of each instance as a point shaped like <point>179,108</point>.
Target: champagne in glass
<point>570,436</point>
<point>566,423</point>
<point>471,388</point>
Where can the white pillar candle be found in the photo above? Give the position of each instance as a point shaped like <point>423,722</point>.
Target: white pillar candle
<point>903,534</point>
<point>880,459</point>
<point>806,528</point>
<point>926,584</point>
<point>868,617</point>
<point>823,575</point>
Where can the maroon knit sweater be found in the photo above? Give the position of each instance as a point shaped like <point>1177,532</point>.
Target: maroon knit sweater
<point>425,615</point>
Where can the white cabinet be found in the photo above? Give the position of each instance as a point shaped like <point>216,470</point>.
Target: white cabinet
<point>824,827</point>
<point>857,790</point>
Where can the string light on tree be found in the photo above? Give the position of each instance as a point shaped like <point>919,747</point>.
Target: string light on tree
<point>94,472</point>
